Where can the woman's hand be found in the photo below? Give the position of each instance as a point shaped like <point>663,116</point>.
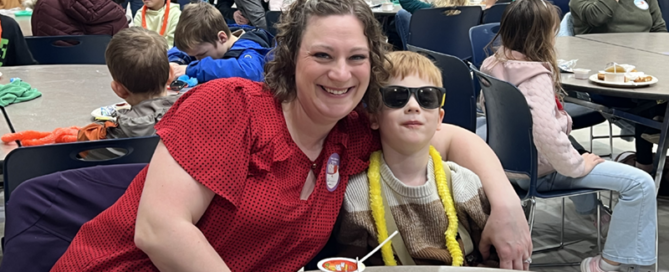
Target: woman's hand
<point>508,231</point>
<point>240,19</point>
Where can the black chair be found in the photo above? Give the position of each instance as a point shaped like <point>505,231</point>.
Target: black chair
<point>460,106</point>
<point>84,49</point>
<point>563,5</point>
<point>452,35</point>
<point>272,17</point>
<point>24,163</point>
<point>510,137</point>
<point>494,13</point>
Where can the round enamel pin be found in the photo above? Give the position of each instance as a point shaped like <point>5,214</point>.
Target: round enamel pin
<point>332,172</point>
<point>642,4</point>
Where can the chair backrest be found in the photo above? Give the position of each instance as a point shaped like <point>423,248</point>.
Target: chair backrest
<point>494,13</point>
<point>460,106</point>
<point>563,5</point>
<point>432,29</point>
<point>24,163</point>
<point>272,17</point>
<point>479,37</point>
<point>84,49</point>
<point>509,128</point>
<point>46,212</point>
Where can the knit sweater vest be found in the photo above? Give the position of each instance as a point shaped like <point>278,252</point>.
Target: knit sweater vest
<point>419,215</point>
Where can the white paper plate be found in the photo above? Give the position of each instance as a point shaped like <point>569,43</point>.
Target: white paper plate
<point>630,84</point>
<point>97,113</point>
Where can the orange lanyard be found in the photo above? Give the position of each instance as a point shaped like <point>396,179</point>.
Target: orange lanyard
<point>165,16</point>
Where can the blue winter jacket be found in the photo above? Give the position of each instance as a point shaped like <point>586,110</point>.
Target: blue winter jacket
<point>245,59</point>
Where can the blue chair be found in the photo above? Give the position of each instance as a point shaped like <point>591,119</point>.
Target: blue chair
<point>272,17</point>
<point>494,13</point>
<point>24,163</point>
<point>479,37</point>
<point>86,49</point>
<point>452,33</point>
<point>460,106</point>
<point>510,137</point>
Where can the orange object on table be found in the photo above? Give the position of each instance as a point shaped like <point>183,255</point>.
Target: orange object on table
<point>32,137</point>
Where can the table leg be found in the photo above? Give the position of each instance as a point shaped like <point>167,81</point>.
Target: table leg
<point>661,155</point>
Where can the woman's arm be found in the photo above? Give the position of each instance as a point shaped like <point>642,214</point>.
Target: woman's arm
<point>659,25</point>
<point>413,5</point>
<point>594,13</point>
<point>507,228</point>
<point>172,203</point>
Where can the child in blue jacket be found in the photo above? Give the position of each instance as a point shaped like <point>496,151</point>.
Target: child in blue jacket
<point>211,50</point>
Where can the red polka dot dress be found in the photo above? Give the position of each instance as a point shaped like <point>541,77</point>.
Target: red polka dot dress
<point>231,136</point>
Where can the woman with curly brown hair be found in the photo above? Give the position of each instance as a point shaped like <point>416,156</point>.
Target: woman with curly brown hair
<point>251,176</point>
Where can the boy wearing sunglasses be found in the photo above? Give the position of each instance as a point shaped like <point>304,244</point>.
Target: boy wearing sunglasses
<point>438,207</point>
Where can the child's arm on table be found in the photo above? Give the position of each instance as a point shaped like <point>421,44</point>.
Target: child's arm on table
<point>249,65</point>
<point>507,227</point>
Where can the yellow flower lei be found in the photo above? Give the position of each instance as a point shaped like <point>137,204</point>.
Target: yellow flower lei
<point>378,212</point>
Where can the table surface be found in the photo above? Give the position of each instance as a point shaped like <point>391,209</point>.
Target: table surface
<point>423,268</point>
<point>651,42</point>
<point>24,24</point>
<point>594,55</point>
<point>69,94</point>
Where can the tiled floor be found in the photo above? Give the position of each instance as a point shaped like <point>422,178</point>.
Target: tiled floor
<point>547,222</point>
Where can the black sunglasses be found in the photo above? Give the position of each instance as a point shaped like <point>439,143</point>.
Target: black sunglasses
<point>397,97</point>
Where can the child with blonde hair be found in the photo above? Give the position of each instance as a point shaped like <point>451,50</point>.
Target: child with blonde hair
<point>527,59</point>
<point>407,186</point>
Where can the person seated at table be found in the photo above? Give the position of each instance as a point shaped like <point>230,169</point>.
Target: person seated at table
<point>616,16</point>
<point>211,50</point>
<point>527,59</point>
<point>196,207</point>
<point>426,196</point>
<point>137,62</point>
<point>76,17</point>
<point>15,51</point>
<point>403,16</point>
<point>160,16</point>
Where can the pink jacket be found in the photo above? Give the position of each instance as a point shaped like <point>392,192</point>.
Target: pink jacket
<point>551,126</point>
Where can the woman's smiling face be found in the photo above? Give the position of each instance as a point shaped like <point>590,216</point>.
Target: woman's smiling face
<point>333,67</point>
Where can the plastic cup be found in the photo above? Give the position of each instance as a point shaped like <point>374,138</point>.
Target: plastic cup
<point>338,264</point>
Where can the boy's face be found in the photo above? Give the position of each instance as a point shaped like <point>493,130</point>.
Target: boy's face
<point>410,128</point>
<point>205,49</point>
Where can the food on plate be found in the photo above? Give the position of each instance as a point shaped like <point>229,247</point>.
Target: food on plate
<point>644,79</point>
<point>620,68</point>
<point>340,264</point>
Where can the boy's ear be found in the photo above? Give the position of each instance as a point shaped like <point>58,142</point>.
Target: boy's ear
<point>441,117</point>
<point>222,37</point>
<point>374,121</point>
<point>120,90</point>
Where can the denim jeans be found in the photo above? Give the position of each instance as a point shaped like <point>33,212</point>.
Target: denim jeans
<point>631,237</point>
<point>402,21</point>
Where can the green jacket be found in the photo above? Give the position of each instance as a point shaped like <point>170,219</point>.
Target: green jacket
<point>609,16</point>
<point>413,5</point>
